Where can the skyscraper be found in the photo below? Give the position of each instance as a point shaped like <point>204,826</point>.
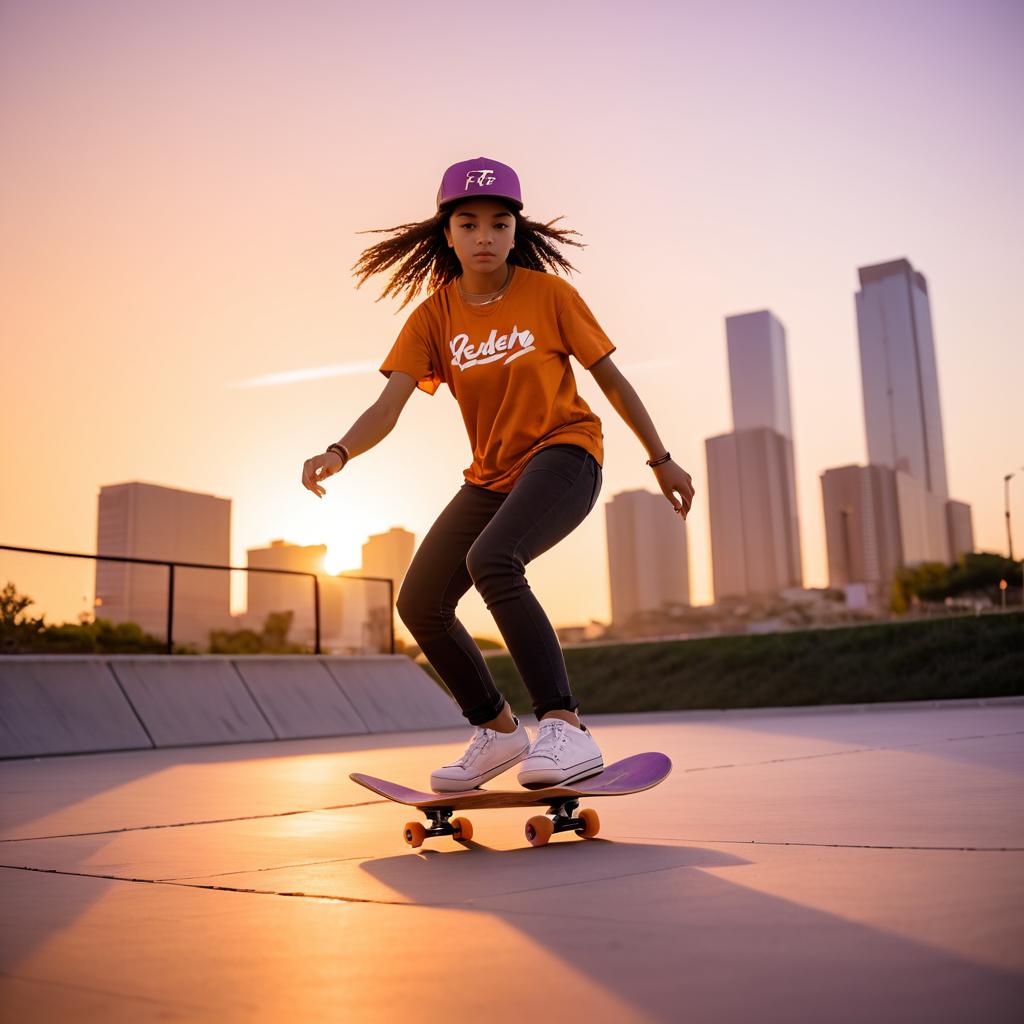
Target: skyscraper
<point>142,520</point>
<point>862,528</point>
<point>272,592</point>
<point>899,374</point>
<point>755,542</point>
<point>648,560</point>
<point>755,530</point>
<point>758,372</point>
<point>896,510</point>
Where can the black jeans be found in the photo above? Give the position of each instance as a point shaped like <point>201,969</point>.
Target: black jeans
<point>485,538</point>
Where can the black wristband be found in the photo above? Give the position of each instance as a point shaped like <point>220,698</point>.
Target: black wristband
<point>658,462</point>
<point>341,450</point>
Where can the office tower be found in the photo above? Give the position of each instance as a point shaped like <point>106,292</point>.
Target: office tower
<point>755,529</point>
<point>758,372</point>
<point>903,424</point>
<point>899,375</point>
<point>755,546</point>
<point>389,555</point>
<point>862,529</point>
<point>961,529</point>
<point>385,556</point>
<point>141,520</point>
<point>278,592</point>
<point>648,558</point>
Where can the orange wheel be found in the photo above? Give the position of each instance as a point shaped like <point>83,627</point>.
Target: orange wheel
<point>539,830</point>
<point>414,833</point>
<point>463,828</point>
<point>591,823</point>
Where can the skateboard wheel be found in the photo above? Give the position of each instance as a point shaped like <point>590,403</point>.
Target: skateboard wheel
<point>463,828</point>
<point>591,823</point>
<point>414,833</point>
<point>539,830</point>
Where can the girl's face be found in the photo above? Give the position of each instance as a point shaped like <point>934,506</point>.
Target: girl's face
<point>482,232</point>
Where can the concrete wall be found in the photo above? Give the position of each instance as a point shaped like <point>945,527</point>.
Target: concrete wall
<point>69,704</point>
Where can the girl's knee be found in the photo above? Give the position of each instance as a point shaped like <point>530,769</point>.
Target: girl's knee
<point>485,560</point>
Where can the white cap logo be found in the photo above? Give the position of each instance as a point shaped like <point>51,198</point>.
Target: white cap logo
<point>485,176</point>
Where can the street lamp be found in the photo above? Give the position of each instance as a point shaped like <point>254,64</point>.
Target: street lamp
<point>1006,506</point>
<point>1009,538</point>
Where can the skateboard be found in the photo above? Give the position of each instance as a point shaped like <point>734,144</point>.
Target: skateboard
<point>630,775</point>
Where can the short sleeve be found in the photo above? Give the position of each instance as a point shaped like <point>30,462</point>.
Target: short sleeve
<point>412,354</point>
<point>580,330</point>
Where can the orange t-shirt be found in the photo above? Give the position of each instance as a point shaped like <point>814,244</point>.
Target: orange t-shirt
<point>507,365</point>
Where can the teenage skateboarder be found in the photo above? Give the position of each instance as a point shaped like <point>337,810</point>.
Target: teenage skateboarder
<point>498,329</point>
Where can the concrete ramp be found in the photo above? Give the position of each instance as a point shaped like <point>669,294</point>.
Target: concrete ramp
<point>63,704</point>
<point>69,704</point>
<point>392,693</point>
<point>186,700</point>
<point>299,697</point>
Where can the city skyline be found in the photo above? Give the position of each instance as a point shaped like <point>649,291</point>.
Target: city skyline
<point>166,240</point>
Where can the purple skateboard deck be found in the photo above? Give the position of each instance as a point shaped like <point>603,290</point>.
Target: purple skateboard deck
<point>630,775</point>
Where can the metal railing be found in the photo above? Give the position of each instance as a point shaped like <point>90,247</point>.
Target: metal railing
<point>171,565</point>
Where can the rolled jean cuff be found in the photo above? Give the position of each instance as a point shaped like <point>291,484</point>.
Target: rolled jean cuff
<point>485,712</point>
<point>564,703</point>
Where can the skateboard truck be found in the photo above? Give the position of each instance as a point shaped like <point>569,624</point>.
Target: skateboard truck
<point>561,817</point>
<point>630,775</point>
<point>439,821</point>
<point>564,815</point>
<point>441,824</point>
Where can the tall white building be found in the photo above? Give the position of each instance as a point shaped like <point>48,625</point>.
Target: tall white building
<point>758,372</point>
<point>648,555</point>
<point>755,540</point>
<point>900,379</point>
<point>899,504</point>
<point>755,528</point>
<point>141,520</point>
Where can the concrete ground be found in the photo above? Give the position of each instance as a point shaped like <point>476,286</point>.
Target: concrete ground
<point>853,864</point>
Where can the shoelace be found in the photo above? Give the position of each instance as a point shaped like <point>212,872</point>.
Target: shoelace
<point>550,739</point>
<point>480,740</point>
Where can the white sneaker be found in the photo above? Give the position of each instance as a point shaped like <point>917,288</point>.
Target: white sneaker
<point>560,754</point>
<point>489,753</point>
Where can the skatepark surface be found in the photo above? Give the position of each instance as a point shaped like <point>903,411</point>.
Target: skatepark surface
<point>822,864</point>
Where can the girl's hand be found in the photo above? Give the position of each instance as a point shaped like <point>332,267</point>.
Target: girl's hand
<point>318,468</point>
<point>674,480</point>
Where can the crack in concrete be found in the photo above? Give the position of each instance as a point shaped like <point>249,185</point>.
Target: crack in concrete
<point>831,846</point>
<point>854,750</point>
<point>351,899</point>
<point>252,871</point>
<point>368,803</point>
<point>188,824</point>
<point>226,888</point>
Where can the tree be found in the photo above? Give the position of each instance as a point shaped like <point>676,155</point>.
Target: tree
<point>17,634</point>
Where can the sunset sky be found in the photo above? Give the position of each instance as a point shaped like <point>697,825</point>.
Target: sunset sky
<point>181,184</point>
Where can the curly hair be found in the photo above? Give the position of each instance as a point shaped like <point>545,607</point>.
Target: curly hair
<point>422,249</point>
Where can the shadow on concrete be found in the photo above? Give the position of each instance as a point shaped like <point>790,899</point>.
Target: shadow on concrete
<point>83,777</point>
<point>661,935</point>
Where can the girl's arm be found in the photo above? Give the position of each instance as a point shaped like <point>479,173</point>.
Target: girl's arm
<point>671,478</point>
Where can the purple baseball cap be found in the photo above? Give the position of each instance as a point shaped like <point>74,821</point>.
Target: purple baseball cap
<point>479,177</point>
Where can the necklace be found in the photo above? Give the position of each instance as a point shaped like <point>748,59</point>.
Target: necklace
<point>488,297</point>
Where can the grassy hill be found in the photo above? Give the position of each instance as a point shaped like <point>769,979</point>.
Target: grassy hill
<point>939,659</point>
